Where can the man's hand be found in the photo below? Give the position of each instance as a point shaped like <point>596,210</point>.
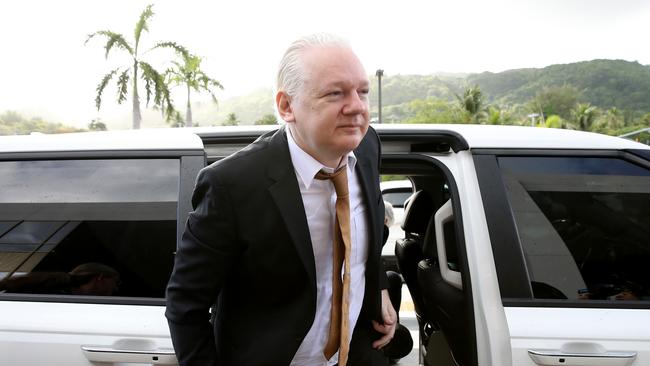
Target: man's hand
<point>390,322</point>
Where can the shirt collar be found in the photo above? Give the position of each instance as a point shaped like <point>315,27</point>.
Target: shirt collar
<point>306,166</point>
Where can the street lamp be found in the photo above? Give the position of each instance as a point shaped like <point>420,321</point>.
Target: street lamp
<point>379,74</point>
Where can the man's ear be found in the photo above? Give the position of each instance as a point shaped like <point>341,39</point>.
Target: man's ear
<point>283,103</point>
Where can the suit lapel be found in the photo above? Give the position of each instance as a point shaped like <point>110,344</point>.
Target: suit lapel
<point>287,197</point>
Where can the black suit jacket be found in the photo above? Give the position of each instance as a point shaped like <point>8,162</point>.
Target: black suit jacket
<point>247,246</point>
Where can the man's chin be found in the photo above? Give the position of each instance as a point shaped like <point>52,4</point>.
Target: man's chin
<point>349,143</point>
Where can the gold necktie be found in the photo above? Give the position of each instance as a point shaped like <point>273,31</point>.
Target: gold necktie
<point>342,245</point>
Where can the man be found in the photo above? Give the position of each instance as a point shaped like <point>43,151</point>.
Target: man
<point>260,239</point>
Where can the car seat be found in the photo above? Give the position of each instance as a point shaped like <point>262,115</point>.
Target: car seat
<point>408,251</point>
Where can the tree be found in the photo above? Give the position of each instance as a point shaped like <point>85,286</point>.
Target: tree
<point>471,102</point>
<point>154,83</point>
<point>497,116</point>
<point>584,115</point>
<point>432,110</point>
<point>610,122</point>
<point>189,74</point>
<point>13,123</point>
<point>267,119</point>
<point>231,120</point>
<point>97,125</point>
<point>555,121</point>
<point>555,100</point>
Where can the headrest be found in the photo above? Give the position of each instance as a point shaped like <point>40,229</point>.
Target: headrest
<point>418,210</point>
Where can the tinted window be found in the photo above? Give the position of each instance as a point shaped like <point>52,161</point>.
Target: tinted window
<point>582,224</point>
<point>89,227</point>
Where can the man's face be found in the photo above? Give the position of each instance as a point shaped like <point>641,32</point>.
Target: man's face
<point>330,113</point>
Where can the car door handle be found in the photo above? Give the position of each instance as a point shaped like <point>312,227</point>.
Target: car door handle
<point>557,358</point>
<point>109,354</point>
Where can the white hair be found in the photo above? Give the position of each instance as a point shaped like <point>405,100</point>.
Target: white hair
<point>291,76</point>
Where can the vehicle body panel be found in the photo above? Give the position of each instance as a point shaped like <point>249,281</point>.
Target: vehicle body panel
<point>52,330</point>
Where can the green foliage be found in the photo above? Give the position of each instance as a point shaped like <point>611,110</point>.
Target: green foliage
<point>555,121</point>
<point>142,24</point>
<point>267,119</point>
<point>402,89</point>
<point>248,108</point>
<point>231,120</point>
<point>433,110</point>
<point>389,177</point>
<point>161,94</point>
<point>471,103</point>
<point>112,39</point>
<point>179,49</point>
<point>507,97</point>
<point>399,89</point>
<point>102,86</point>
<point>584,115</point>
<point>13,123</point>
<point>154,82</point>
<point>189,74</point>
<point>558,100</point>
<point>177,120</point>
<point>497,116</point>
<point>603,83</point>
<point>612,122</point>
<point>122,86</point>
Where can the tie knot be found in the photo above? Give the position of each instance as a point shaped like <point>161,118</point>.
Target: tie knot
<point>339,178</point>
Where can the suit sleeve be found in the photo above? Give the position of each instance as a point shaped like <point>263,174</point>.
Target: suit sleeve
<point>383,277</point>
<point>205,255</point>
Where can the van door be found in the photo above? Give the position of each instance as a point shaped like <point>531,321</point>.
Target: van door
<point>569,233</point>
<point>452,279</point>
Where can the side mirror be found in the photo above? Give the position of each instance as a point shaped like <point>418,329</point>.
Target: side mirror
<point>444,215</point>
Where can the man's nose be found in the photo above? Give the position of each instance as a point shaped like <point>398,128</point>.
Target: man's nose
<point>356,103</point>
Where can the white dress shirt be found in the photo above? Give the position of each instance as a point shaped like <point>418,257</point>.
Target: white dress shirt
<point>319,199</point>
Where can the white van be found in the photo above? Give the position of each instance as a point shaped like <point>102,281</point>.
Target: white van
<point>522,246</point>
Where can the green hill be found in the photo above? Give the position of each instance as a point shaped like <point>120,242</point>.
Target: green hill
<point>603,83</point>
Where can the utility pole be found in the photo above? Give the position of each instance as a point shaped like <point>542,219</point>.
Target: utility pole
<point>379,74</point>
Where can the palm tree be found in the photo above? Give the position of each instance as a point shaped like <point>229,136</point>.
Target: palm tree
<point>154,83</point>
<point>190,75</point>
<point>231,120</point>
<point>471,102</point>
<point>584,115</point>
<point>610,122</point>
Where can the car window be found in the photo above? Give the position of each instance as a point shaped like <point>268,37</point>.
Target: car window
<point>88,227</point>
<point>395,193</point>
<point>582,223</point>
<point>397,197</point>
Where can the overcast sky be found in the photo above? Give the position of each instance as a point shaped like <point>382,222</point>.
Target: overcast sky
<point>46,69</point>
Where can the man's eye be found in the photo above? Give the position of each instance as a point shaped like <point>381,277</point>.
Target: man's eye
<point>334,93</point>
<point>364,92</point>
